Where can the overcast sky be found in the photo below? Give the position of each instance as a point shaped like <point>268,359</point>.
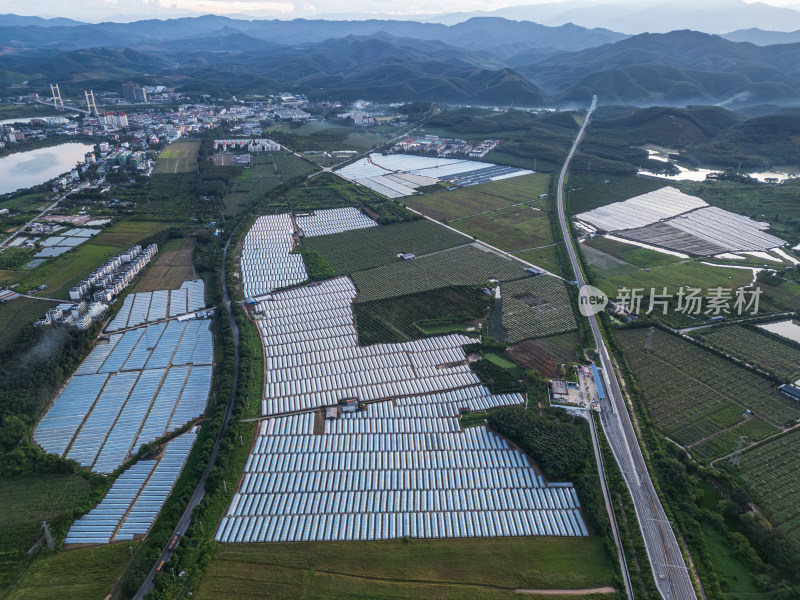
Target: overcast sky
<point>125,10</point>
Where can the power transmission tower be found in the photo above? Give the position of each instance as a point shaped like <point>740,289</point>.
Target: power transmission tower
<point>56,96</point>
<point>91,106</point>
<point>736,457</point>
<point>51,545</point>
<point>648,343</point>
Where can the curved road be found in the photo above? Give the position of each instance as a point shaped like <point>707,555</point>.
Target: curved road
<point>199,491</point>
<point>669,569</point>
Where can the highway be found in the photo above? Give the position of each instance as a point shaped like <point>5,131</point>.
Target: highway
<point>669,569</point>
<point>199,491</point>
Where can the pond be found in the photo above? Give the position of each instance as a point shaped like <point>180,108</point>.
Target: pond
<point>787,329</point>
<point>26,169</point>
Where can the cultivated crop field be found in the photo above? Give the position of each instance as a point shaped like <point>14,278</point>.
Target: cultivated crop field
<point>321,135</point>
<point>178,157</point>
<point>81,573</point>
<point>377,246</point>
<point>466,569</point>
<point>602,264</point>
<point>536,307</point>
<point>393,319</point>
<point>586,190</point>
<point>544,354</point>
<point>634,255</point>
<point>463,265</point>
<point>770,471</point>
<point>170,269</point>
<point>267,172</point>
<point>677,275</point>
<point>767,352</point>
<point>126,233</point>
<point>477,199</point>
<point>693,394</point>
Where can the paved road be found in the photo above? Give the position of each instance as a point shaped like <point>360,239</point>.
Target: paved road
<point>669,570</point>
<point>199,491</point>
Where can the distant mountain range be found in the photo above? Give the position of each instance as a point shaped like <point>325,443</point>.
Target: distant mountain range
<point>482,60</point>
<point>763,38</point>
<point>673,68</point>
<point>501,37</point>
<point>710,16</point>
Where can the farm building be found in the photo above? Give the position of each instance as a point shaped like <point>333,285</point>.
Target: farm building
<point>791,391</point>
<point>560,390</point>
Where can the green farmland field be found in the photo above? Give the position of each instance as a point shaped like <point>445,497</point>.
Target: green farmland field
<point>393,319</point>
<point>476,199</point>
<point>81,573</point>
<point>536,307</point>
<point>267,172</point>
<point>178,157</point>
<point>588,190</point>
<point>756,347</point>
<point>770,471</point>
<point>377,246</point>
<point>634,255</point>
<point>448,569</point>
<point>464,265</point>
<point>507,214</point>
<point>17,314</point>
<point>694,395</point>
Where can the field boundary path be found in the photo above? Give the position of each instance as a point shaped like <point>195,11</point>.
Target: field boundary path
<point>199,491</point>
<point>670,572</point>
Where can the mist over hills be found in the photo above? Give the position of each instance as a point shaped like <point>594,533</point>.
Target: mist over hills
<point>676,67</point>
<point>710,16</point>
<point>482,60</point>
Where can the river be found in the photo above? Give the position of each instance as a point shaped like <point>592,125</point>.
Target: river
<point>26,169</point>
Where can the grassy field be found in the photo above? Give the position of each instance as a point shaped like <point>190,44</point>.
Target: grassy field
<point>770,471</point>
<point>393,319</point>
<point>695,396</point>
<point>461,568</point>
<point>267,173</point>
<point>61,273</point>
<point>542,355</point>
<point>83,573</point>
<point>756,347</point>
<point>463,265</point>
<point>17,314</point>
<point>29,500</point>
<point>172,267</point>
<point>377,246</point>
<point>72,266</point>
<point>178,157</point>
<point>26,203</point>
